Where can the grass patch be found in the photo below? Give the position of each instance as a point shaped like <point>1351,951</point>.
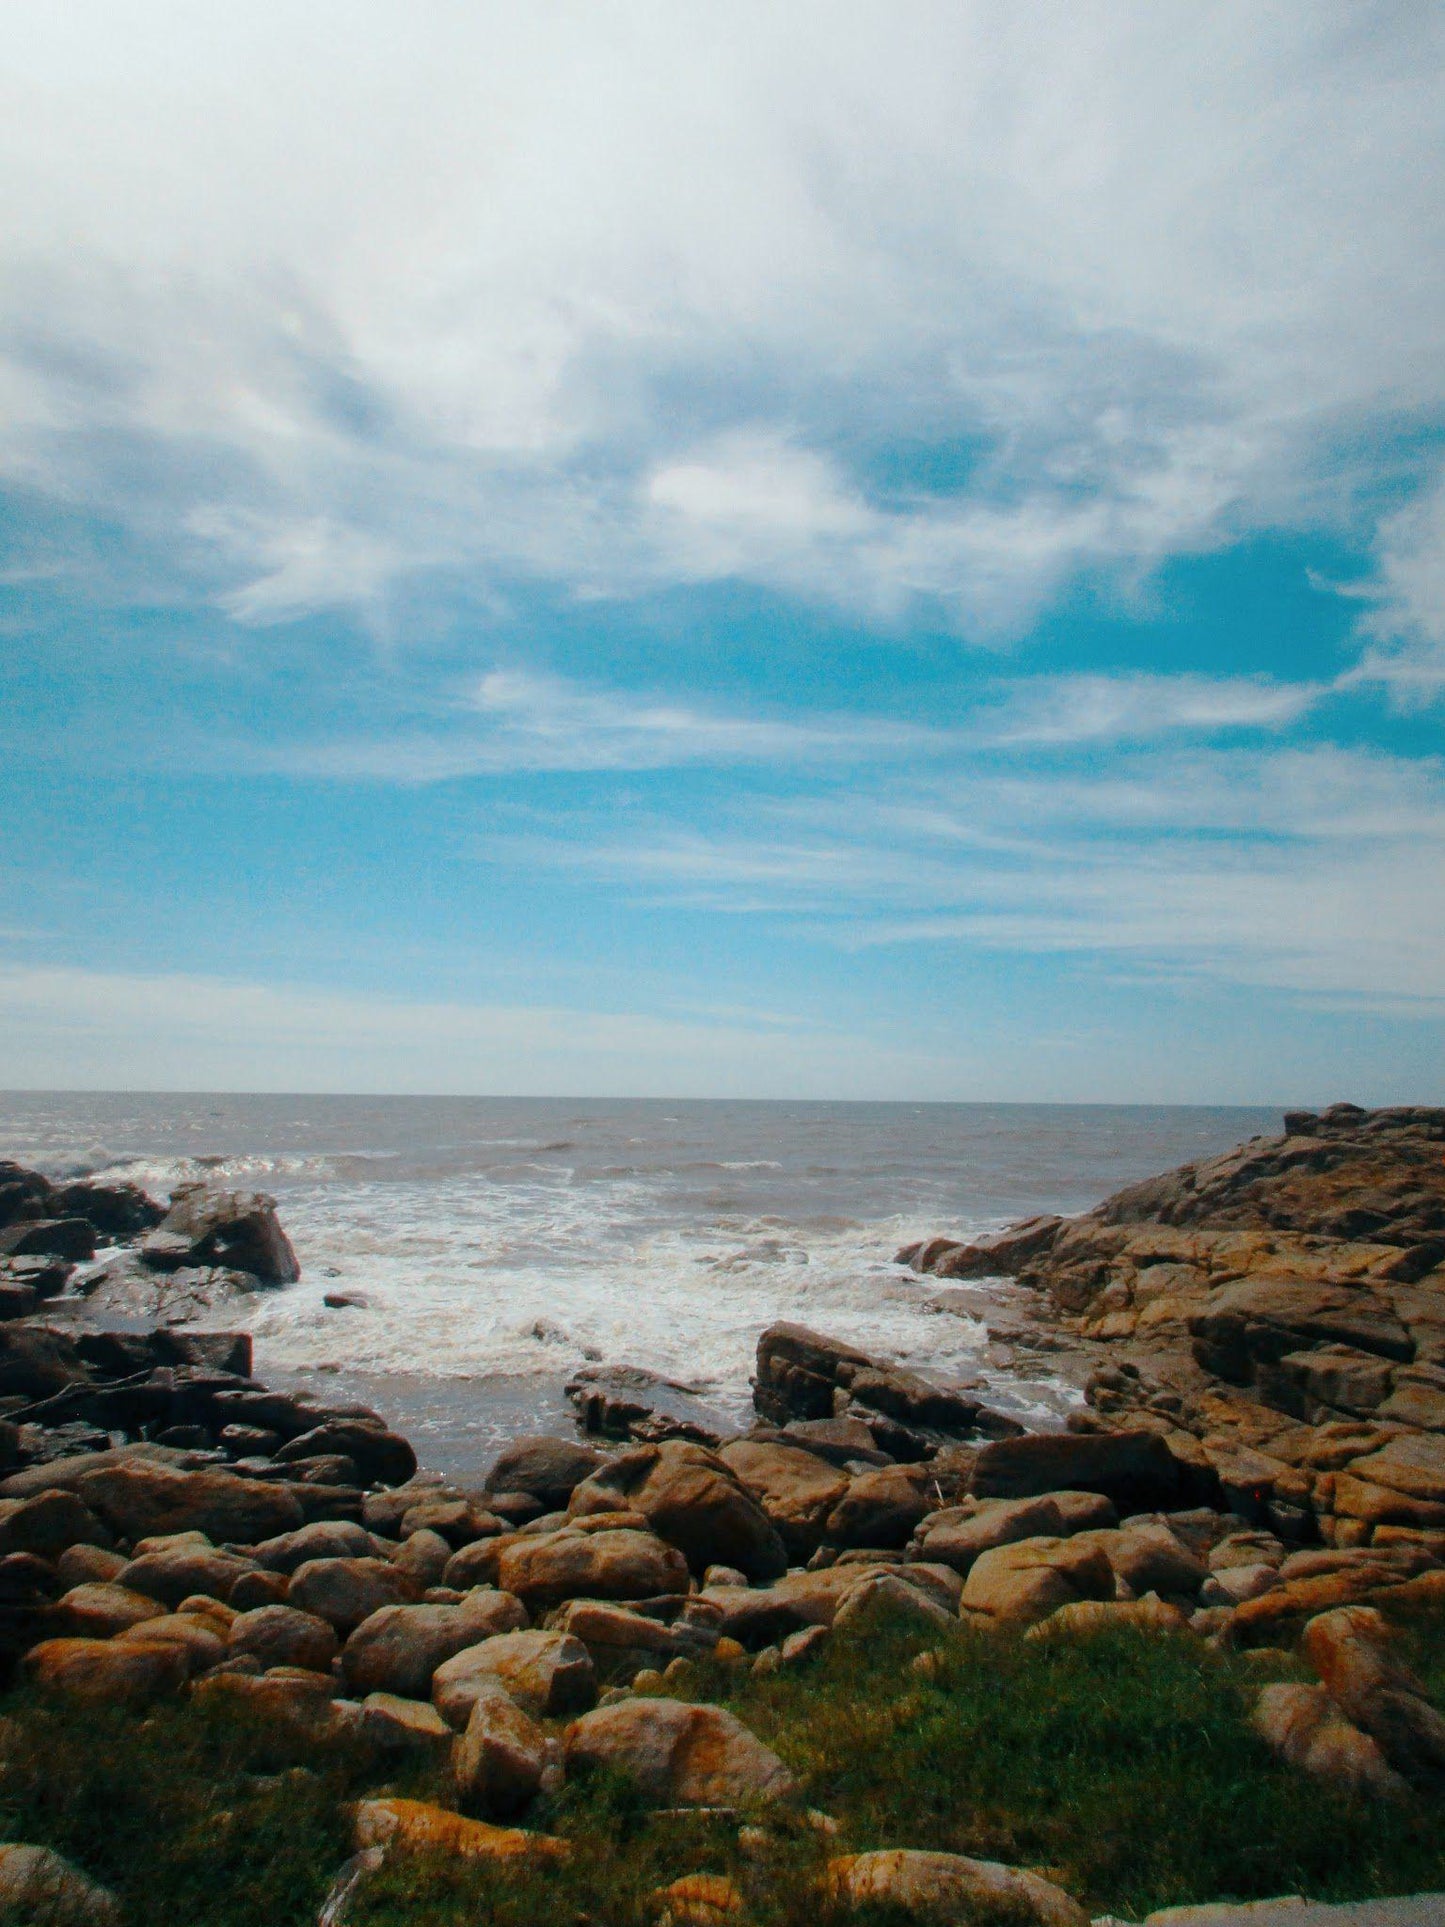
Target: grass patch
<point>1122,1765</point>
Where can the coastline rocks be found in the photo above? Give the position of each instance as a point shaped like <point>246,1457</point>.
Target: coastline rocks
<point>99,1610</point>
<point>1024,1582</point>
<point>1351,1650</point>
<point>344,1592</point>
<point>938,1889</point>
<point>173,1573</point>
<point>202,1644</point>
<point>138,1498</point>
<point>399,1648</point>
<point>680,1755</point>
<point>795,1488</point>
<point>550,1675</point>
<point>548,1468</point>
<point>323,1539</point>
<point>125,1672</point>
<point>1308,1731</point>
<point>284,1636</point>
<point>1134,1469</point>
<point>499,1761</point>
<point>235,1229</point>
<point>48,1524</point>
<point>880,1508</point>
<point>36,1364</point>
<point>692,1499</point>
<point>622,1563</point>
<point>415,1826</point>
<point>394,1724</point>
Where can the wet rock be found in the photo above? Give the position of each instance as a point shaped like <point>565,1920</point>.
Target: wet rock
<point>70,1238</point>
<point>414,1826</point>
<point>237,1229</point>
<point>499,1761</point>
<point>37,1884</point>
<point>691,1499</point>
<point>798,1372</point>
<point>549,1469</point>
<point>399,1648</point>
<point>568,1564</point>
<point>1002,1255</point>
<point>550,1675</point>
<point>679,1754</point>
<point>344,1592</point>
<point>122,1672</point>
<point>842,1442</point>
<point>284,1636</point>
<point>938,1889</point>
<point>116,1210</point>
<point>1024,1582</point>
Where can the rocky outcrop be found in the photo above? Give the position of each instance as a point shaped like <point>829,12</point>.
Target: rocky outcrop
<point>679,1755</point>
<point>236,1229</point>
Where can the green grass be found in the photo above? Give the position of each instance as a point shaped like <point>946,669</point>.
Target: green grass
<point>1122,1765</point>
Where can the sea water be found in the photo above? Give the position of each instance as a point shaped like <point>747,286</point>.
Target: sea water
<point>503,1243</point>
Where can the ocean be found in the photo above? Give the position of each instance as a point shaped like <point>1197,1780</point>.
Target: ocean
<point>500,1244</point>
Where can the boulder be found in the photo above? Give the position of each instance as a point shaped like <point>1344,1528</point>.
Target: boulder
<point>381,1457</point>
<point>99,1610</point>
<point>1306,1728</point>
<point>72,1238</point>
<point>284,1636</point>
<point>323,1539</point>
<point>1134,1469</point>
<point>36,1884</point>
<point>237,1229</point>
<point>1258,1320</point>
<point>425,1556</point>
<point>958,1536</point>
<point>1021,1583</point>
<point>1151,1614</point>
<point>620,1639</point>
<point>137,1498</point>
<point>83,1565</point>
<point>123,1672</point>
<point>174,1574</point>
<point>798,1371</point>
<point>259,1588</point>
<point>795,1488</point>
<point>202,1645</point>
<point>298,1703</point>
<point>940,1889</point>
<point>679,1754</point>
<point>1148,1558</point>
<point>1352,1650</point>
<point>48,1525</point>
<point>393,1724</point>
<point>117,1210</point>
<point>499,1761</point>
<point>415,1826</point>
<point>886,1591</point>
<point>879,1508</point>
<point>457,1521</point>
<point>344,1592</point>
<point>547,1468</point>
<point>624,1564</point>
<point>550,1675</point>
<point>399,1648</point>
<point>692,1499</point>
<point>698,1900</point>
<point>35,1363</point>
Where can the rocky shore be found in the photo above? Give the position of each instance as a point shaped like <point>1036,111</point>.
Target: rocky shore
<point>1261,1465</point>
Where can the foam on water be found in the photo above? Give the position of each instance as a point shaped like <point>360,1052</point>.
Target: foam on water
<point>526,1238</point>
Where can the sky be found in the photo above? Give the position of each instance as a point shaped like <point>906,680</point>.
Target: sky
<point>714,549</point>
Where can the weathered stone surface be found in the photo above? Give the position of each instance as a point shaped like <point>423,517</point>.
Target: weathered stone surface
<point>1308,1730</point>
<point>36,1364</point>
<point>72,1238</point>
<point>173,1574</point>
<point>612,1632</point>
<point>1134,1469</point>
<point>499,1760</point>
<point>796,1488</point>
<point>890,1592</point>
<point>458,1521</point>
<point>84,1565</point>
<point>297,1702</point>
<point>797,1372</point>
<point>691,1499</point>
<point>202,1645</point>
<point>324,1539</point>
<point>698,1900</point>
<point>125,1672</point>
<point>957,1536</point>
<point>550,1675</point>
<point>398,1648</point>
<point>284,1636</point>
<point>48,1525</point>
<point>1003,1255</point>
<point>138,1498</point>
<point>1151,1614</point>
<point>237,1229</point>
<point>1148,1558</point>
<point>37,1884</point>
<point>344,1592</point>
<point>1352,1650</point>
<point>679,1754</point>
<point>425,1556</point>
<point>393,1724</point>
<point>1024,1582</point>
<point>939,1889</point>
<point>99,1610</point>
<point>1260,1319</point>
<point>546,1569</point>
<point>548,1468</point>
<point>880,1508</point>
<point>414,1826</point>
<point>382,1457</point>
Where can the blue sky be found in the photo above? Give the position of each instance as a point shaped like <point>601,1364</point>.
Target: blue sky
<point>861,551</point>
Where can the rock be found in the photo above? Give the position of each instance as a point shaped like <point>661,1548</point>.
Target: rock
<point>116,1210</point>
<point>259,1588</point>
<point>393,1724</point>
<point>351,1878</point>
<point>48,1525</point>
<point>36,1364</point>
<point>297,1702</point>
<point>97,1611</point>
<point>624,1639</point>
<point>1151,1614</point>
<point>344,1592</point>
<point>1352,1651</point>
<point>548,1468</point>
<point>880,1508</point>
<point>125,1672</point>
<point>174,1574</point>
<point>798,1371</point>
<point>691,1499</point>
<point>1004,1255</point>
<point>499,1761</point>
<point>237,1229</point>
<point>679,1754</point>
<point>886,1591</point>
<point>38,1885</point>
<point>1148,1558</point>
<point>284,1636</point>
<point>842,1442</point>
<point>550,1675</point>
<point>414,1826</point>
<point>202,1645</point>
<point>1335,1377</point>
<point>71,1238</point>
<point>324,1539</point>
<point>1134,1469</point>
<point>459,1522</point>
<point>698,1900</point>
<point>623,1564</point>
<point>425,1556</point>
<point>795,1488</point>
<point>398,1648</point>
<point>1256,1321</point>
<point>1306,1728</point>
<point>381,1457</point>
<point>88,1565</point>
<point>1234,1585</point>
<point>957,1536</point>
<point>940,1889</point>
<point>138,1498</point>
<point>1024,1582</point>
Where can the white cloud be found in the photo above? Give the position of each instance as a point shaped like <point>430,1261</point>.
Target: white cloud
<point>1407,623</point>
<point>625,296</point>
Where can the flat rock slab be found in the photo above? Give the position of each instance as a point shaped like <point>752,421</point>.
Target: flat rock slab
<point>1404,1910</point>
